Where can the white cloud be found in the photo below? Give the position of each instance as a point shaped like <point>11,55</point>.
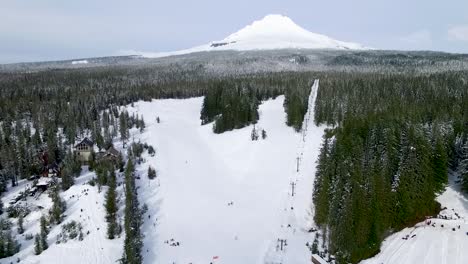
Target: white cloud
<point>419,37</point>
<point>458,33</point>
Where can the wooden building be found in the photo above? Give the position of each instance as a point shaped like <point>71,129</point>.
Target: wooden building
<point>110,155</point>
<point>83,150</point>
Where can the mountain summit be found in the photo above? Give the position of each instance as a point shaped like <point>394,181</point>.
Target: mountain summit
<point>270,33</point>
<point>279,32</point>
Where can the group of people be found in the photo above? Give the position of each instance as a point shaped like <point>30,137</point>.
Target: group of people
<point>172,243</point>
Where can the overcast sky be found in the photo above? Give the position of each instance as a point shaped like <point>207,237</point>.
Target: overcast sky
<point>33,30</point>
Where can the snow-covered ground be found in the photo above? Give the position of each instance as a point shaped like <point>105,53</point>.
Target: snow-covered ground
<point>225,198</point>
<point>219,198</point>
<point>79,62</point>
<point>438,241</point>
<point>84,205</point>
<point>297,211</point>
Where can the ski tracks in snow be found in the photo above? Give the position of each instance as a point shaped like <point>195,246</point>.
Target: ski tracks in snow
<point>289,245</point>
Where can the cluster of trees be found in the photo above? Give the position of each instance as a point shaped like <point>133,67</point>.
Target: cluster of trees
<point>230,106</point>
<point>296,102</point>
<point>413,62</point>
<point>106,176</point>
<point>234,103</point>
<point>8,244</point>
<point>71,169</point>
<point>254,135</point>
<point>55,217</point>
<point>48,110</point>
<point>20,151</point>
<point>40,240</point>
<point>58,206</point>
<point>133,242</point>
<point>388,155</point>
<point>113,227</point>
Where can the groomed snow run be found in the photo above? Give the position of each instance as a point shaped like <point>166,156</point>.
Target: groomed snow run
<point>442,240</point>
<point>223,197</point>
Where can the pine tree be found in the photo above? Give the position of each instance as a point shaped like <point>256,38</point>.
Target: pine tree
<point>37,139</point>
<point>58,207</point>
<point>151,173</point>
<point>314,248</point>
<point>111,207</point>
<point>37,245</point>
<point>254,134</point>
<point>151,151</point>
<point>123,126</point>
<point>12,246</point>
<point>142,125</point>
<point>43,224</point>
<point>43,234</point>
<point>20,223</point>
<point>71,169</point>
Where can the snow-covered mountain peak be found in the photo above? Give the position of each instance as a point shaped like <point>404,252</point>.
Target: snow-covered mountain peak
<point>279,32</point>
<point>270,33</point>
<point>270,25</point>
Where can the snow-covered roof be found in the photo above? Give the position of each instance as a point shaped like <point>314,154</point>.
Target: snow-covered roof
<point>112,151</point>
<point>85,141</point>
<point>43,181</point>
<point>316,259</point>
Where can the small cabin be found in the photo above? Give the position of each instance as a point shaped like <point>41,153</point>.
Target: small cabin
<point>111,154</point>
<point>51,170</point>
<point>43,184</point>
<point>83,150</point>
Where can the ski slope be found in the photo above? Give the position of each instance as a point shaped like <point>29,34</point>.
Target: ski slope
<point>219,198</point>
<point>223,197</point>
<point>442,241</point>
<point>297,211</point>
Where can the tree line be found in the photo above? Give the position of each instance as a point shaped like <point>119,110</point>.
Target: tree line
<point>393,141</point>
